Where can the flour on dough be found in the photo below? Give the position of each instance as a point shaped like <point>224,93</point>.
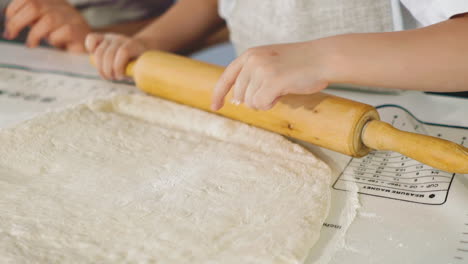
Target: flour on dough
<point>136,179</point>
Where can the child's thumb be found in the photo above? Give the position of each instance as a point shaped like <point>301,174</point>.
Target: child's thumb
<point>92,41</point>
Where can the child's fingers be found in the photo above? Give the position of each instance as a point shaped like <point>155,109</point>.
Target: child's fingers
<point>122,58</point>
<point>60,37</point>
<point>240,86</point>
<point>99,57</point>
<point>108,60</point>
<point>14,7</point>
<point>266,96</point>
<point>251,91</point>
<point>92,41</point>
<point>39,31</point>
<point>24,17</point>
<point>225,83</point>
<point>268,107</point>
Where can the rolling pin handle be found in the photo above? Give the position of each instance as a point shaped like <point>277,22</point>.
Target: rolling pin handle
<point>436,152</point>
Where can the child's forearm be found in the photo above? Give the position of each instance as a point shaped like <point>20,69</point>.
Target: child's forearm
<point>183,26</point>
<point>434,58</point>
<point>126,28</point>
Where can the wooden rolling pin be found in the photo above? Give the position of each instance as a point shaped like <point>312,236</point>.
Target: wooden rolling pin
<point>335,123</point>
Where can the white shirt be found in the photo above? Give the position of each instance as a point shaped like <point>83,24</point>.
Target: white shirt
<point>419,13</point>
<point>407,14</point>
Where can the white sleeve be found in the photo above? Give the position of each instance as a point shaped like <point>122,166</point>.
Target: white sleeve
<point>428,12</point>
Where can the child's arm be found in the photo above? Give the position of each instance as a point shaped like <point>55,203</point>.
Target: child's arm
<point>126,28</point>
<point>434,58</point>
<point>184,25</point>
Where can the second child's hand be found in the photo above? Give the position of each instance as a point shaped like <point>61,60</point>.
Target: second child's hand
<point>112,52</point>
<point>55,21</point>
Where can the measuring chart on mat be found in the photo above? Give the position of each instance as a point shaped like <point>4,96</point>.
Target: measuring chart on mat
<point>395,176</point>
<point>462,247</point>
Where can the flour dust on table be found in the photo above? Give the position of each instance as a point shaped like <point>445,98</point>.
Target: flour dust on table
<point>136,179</point>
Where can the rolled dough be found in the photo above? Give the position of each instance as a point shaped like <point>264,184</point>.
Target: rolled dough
<point>135,179</point>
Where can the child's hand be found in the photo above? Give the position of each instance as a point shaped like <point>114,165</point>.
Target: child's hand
<point>54,20</point>
<point>261,75</point>
<point>112,52</point>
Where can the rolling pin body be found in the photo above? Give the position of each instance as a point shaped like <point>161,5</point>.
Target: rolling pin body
<point>335,123</point>
<point>321,119</point>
